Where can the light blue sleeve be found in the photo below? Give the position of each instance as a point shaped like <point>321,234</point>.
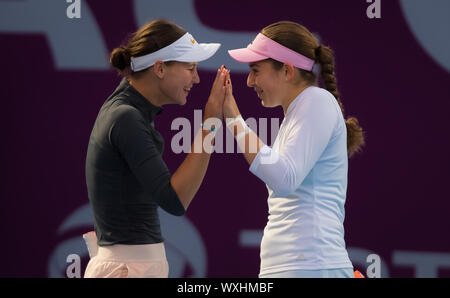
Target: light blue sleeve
<point>308,132</point>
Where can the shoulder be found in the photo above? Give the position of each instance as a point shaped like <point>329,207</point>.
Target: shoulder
<point>121,111</point>
<point>317,96</point>
<point>315,101</point>
<point>315,109</point>
<point>122,120</point>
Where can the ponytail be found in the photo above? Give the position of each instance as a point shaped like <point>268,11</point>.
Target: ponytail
<point>355,135</point>
<point>120,58</point>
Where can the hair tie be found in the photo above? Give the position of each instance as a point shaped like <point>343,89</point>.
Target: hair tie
<point>317,52</point>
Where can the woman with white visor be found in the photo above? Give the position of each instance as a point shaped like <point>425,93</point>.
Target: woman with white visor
<point>305,170</point>
<point>126,177</point>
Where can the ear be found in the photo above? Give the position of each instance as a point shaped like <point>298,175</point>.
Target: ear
<point>289,71</point>
<point>158,69</point>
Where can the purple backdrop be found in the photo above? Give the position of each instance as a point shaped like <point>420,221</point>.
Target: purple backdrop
<point>397,196</point>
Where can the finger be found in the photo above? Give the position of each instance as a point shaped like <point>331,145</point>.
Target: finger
<point>219,71</point>
<point>228,84</point>
<point>227,90</point>
<point>228,77</point>
<point>222,96</point>
<point>218,94</point>
<point>222,78</point>
<point>217,76</point>
<point>219,82</point>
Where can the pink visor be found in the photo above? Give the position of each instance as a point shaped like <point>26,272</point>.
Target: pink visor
<point>263,48</point>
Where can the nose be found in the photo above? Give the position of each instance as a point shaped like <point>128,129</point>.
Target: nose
<point>250,80</point>
<point>196,77</point>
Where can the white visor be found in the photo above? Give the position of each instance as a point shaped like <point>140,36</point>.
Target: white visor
<point>184,49</point>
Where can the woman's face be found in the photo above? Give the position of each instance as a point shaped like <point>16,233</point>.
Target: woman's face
<point>179,78</point>
<point>267,83</point>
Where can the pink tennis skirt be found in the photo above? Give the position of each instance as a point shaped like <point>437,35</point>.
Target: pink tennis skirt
<point>129,261</point>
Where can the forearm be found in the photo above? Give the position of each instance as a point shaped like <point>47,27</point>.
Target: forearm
<point>269,167</point>
<point>188,177</point>
<point>252,144</point>
<point>249,143</point>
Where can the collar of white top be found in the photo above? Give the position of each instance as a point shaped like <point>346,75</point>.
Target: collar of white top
<point>184,49</point>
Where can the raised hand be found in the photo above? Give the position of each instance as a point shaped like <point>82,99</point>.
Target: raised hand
<point>216,98</point>
<point>230,108</point>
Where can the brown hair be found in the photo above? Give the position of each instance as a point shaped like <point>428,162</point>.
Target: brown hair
<point>151,37</point>
<point>297,38</point>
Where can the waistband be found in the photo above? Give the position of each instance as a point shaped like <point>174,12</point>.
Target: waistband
<point>123,252</point>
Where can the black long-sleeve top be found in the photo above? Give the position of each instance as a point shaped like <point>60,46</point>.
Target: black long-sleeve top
<point>126,176</point>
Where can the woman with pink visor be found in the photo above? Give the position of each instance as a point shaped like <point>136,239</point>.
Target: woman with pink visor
<point>306,168</point>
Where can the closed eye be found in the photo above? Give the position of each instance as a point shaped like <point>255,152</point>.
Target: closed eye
<point>192,67</point>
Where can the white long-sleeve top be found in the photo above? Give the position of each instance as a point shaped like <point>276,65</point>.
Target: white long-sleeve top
<point>306,176</point>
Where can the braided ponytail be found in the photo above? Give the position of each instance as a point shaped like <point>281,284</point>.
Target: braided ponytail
<point>355,136</point>
<point>324,55</point>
